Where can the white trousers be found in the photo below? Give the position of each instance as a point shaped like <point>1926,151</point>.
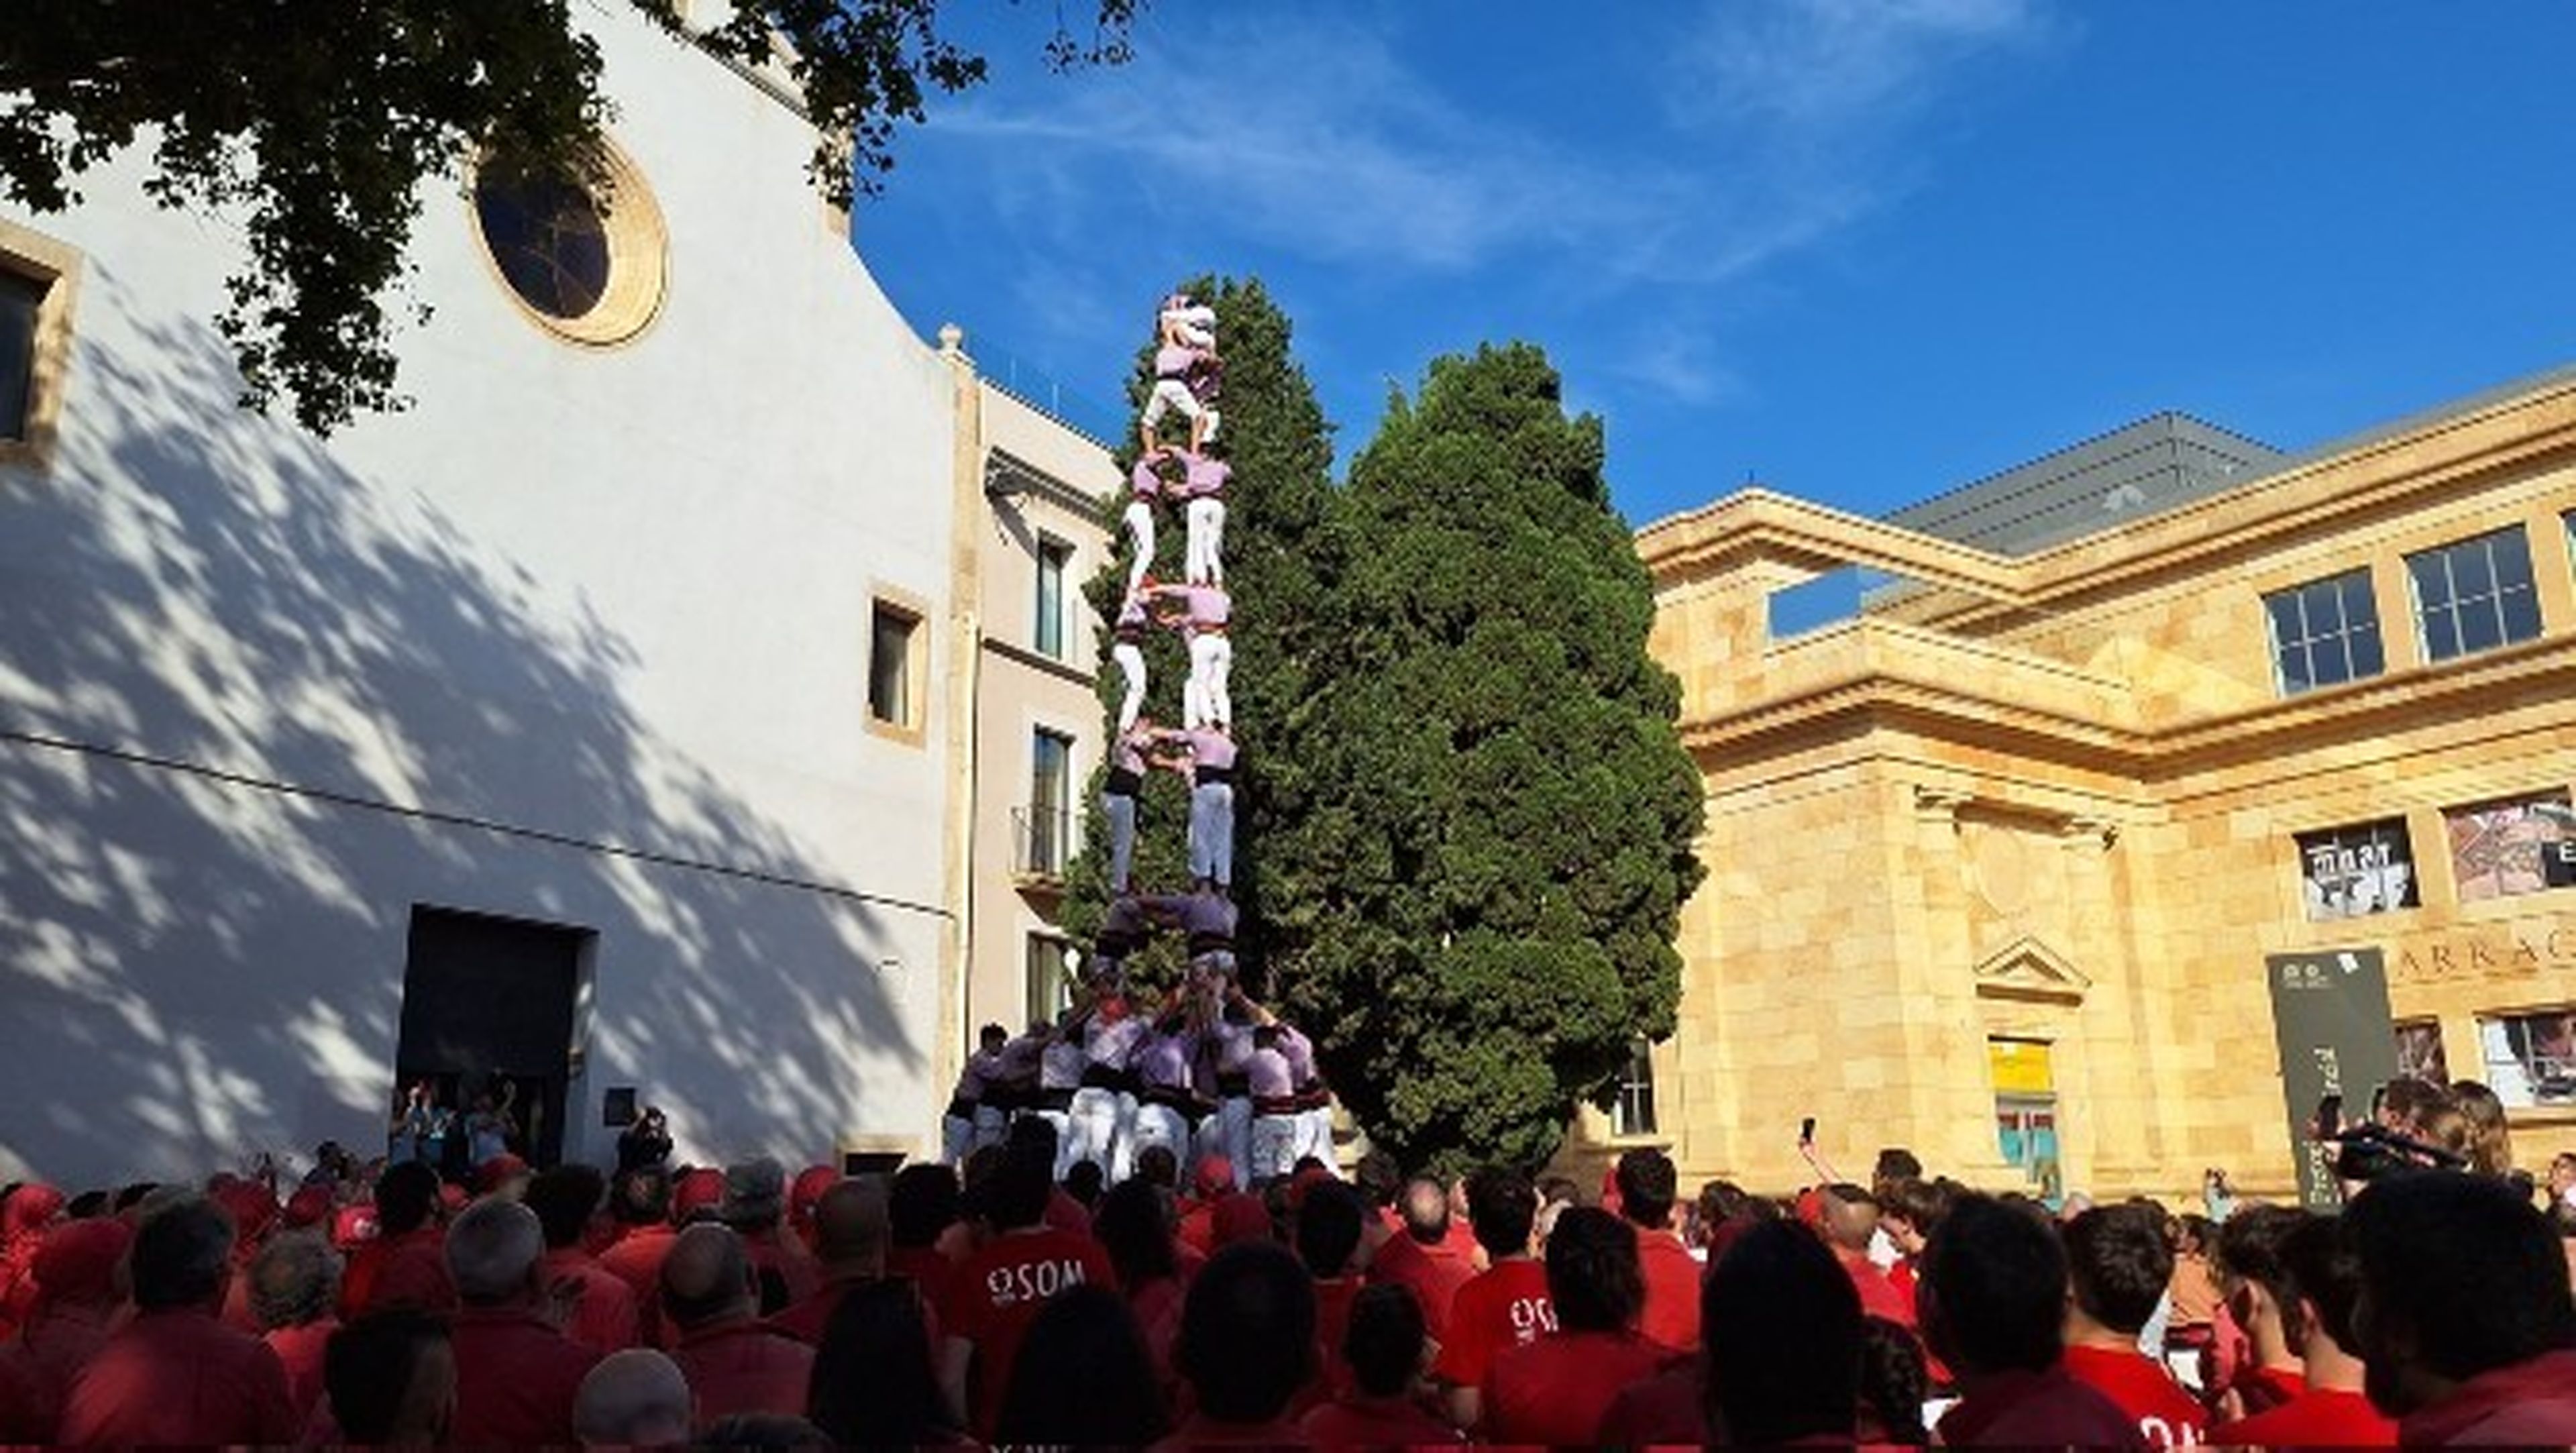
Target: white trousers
<point>1171,395</point>
<point>1131,664</point>
<point>1207,699</point>
<point>956,1139</point>
<point>1315,1135</point>
<point>1203,562</point>
<point>1274,1145</point>
<point>1063,1123</point>
<point>1228,1133</point>
<point>1140,535</point>
<point>1096,1131</point>
<point>1164,1126</point>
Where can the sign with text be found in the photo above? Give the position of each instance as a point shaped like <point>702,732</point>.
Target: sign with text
<point>2330,1016</point>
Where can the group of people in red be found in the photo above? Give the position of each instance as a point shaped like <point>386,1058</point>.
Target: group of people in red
<point>994,1304</point>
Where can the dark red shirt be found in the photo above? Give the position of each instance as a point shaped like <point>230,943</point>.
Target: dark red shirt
<point>999,1291</point>
<point>594,1306</point>
<point>515,1377</point>
<point>1429,1272</point>
<point>1374,1423</point>
<point>180,1377</point>
<point>1672,1290</point>
<point>2318,1418</point>
<point>1505,1307</point>
<point>2167,1417</point>
<point>2530,1403</point>
<point>1554,1390</point>
<point>1878,1295</point>
<point>409,1270</point>
<point>930,1268</point>
<point>57,1342</point>
<point>299,1350</point>
<point>744,1367</point>
<point>1663,1409</point>
<point>2020,1409</point>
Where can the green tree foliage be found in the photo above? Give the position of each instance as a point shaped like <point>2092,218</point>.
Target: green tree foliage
<point>1497,834</point>
<point>317,122</point>
<point>1281,556</point>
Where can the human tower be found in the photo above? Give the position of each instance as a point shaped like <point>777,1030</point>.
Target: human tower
<point>1207,1072</point>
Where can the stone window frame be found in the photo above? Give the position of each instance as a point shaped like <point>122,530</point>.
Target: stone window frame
<point>1635,1085</point>
<point>30,254</point>
<point>2448,557</point>
<point>639,258</point>
<point>2312,641</point>
<point>2373,830</point>
<point>913,729</point>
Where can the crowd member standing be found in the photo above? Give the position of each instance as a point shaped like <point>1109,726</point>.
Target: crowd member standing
<point>1420,1257</point>
<point>924,1215</point>
<point>1082,1378</point>
<point>641,1203</point>
<point>1775,1377</point>
<point>406,1265</point>
<point>957,1125</point>
<point>1553,1389</point>
<point>754,1201</point>
<point>1648,1186</point>
<point>516,1375</point>
<point>294,1290</point>
<point>1328,1225</point>
<point>2118,1265</point>
<point>735,1362</point>
<point>391,1379</point>
<point>1993,1307</point>
<point>2465,1322</point>
<point>2320,1283</point>
<point>1247,1346</point>
<point>594,1306</point>
<point>874,1385</point>
<point>76,1307</point>
<point>1504,1306</point>
<point>1000,1288</point>
<point>1381,1354</point>
<point>1849,1222</point>
<point>2258,1298</point>
<point>175,1374</point>
<point>1135,1232</point>
<point>850,1231</point>
<point>637,1398</point>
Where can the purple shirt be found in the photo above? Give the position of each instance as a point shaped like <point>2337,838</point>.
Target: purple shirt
<point>1126,916</point>
<point>1130,757</point>
<point>1061,1067</point>
<point>1164,1060</point>
<point>1233,1046</point>
<point>981,1070</point>
<point>1204,478</point>
<point>1269,1071</point>
<point>1144,480</point>
<point>1208,747</point>
<point>1300,1054</point>
<point>1132,618</point>
<point>1018,1059</point>
<point>1171,361</point>
<point>1205,607</point>
<point>1113,1042</point>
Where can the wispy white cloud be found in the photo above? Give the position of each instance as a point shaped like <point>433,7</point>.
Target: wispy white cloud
<point>1811,72</point>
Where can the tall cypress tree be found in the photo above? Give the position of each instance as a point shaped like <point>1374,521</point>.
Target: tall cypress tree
<point>1494,833</point>
<point>1280,559</point>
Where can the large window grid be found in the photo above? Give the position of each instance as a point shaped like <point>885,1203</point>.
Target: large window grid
<point>2350,872</point>
<point>2325,633</point>
<point>2474,595</point>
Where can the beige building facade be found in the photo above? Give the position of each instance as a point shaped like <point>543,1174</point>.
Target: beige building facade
<point>1996,858</point>
<point>1030,490</point>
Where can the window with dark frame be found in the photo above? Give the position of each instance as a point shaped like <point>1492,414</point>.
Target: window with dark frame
<point>890,665</point>
<point>1050,801</point>
<point>2474,595</point>
<point>1050,987</point>
<point>2512,846</point>
<point>2352,872</point>
<point>1633,1112</point>
<point>22,311</point>
<point>2530,1057</point>
<point>1055,560</point>
<point>2325,633</point>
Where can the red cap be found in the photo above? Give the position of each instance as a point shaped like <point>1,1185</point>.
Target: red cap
<point>1215,1177</point>
<point>250,1205</point>
<point>78,1259</point>
<point>811,1183</point>
<point>353,1226</point>
<point>696,1191</point>
<point>1811,1206</point>
<point>452,1198</point>
<point>489,1175</point>
<point>309,1206</point>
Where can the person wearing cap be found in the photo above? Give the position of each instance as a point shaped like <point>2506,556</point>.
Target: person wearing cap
<point>1203,484</point>
<point>1205,614</point>
<point>235,1388</point>
<point>504,1176</point>
<point>965,1103</point>
<point>516,1373</point>
<point>781,1270</point>
<point>75,1309</point>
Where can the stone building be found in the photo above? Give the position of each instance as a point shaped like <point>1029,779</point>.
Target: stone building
<point>2010,796</point>
<point>603,724</point>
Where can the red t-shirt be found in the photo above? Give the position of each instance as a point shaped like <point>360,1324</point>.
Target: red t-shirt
<point>1374,1423</point>
<point>180,1377</point>
<point>743,1367</point>
<point>516,1377</point>
<point>1430,1273</point>
<point>594,1306</point>
<point>1506,1307</point>
<point>1671,1316</point>
<point>930,1268</point>
<point>1000,1290</point>
<point>1878,1295</point>
<point>2168,1417</point>
<point>299,1350</point>
<point>2314,1419</point>
<point>409,1270</point>
<point>1332,1323</point>
<point>1553,1391</point>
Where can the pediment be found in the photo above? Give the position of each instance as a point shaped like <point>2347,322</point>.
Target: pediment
<point>2028,969</point>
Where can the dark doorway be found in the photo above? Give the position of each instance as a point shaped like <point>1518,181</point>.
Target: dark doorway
<point>487,1011</point>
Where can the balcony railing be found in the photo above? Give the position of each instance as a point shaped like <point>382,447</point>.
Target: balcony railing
<point>1041,842</point>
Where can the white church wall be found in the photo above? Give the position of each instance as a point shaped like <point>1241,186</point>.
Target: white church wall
<point>582,638</point>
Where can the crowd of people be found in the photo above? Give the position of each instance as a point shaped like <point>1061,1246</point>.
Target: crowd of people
<point>1020,1298</point>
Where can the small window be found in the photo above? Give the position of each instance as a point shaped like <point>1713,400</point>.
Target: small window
<point>2474,595</point>
<point>890,666</point>
<point>1633,1113</point>
<point>2325,633</point>
<point>1050,815</point>
<point>22,307</point>
<point>2501,849</point>
<point>1050,979</point>
<point>2351,872</point>
<point>1055,558</point>
<point>2530,1057</point>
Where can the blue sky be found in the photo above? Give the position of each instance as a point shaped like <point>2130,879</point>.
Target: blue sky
<point>1861,250</point>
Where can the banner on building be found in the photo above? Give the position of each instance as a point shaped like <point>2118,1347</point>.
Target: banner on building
<point>2330,1015</point>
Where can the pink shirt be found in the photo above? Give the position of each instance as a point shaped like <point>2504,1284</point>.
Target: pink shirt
<point>1206,607</point>
<point>1164,1062</point>
<point>1209,748</point>
<point>1205,478</point>
<point>1269,1072</point>
<point>1171,362</point>
<point>1145,480</point>
<point>1300,1053</point>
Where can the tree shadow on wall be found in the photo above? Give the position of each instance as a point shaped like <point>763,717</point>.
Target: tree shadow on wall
<point>193,966</point>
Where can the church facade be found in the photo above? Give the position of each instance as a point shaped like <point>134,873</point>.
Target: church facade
<point>595,733</point>
<point>2016,799</point>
